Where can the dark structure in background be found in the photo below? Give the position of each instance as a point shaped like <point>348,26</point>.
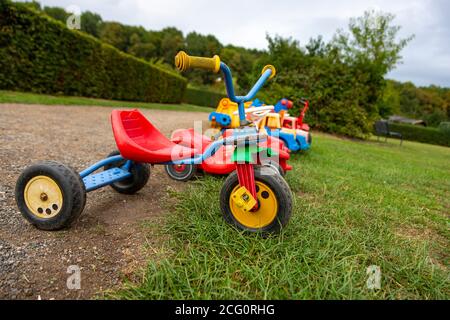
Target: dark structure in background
<point>400,119</point>
<point>382,129</point>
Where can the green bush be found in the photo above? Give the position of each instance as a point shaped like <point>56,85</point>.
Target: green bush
<point>201,97</point>
<point>42,55</point>
<point>422,134</point>
<point>444,126</point>
<point>337,94</point>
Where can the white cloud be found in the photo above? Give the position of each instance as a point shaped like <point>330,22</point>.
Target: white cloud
<point>246,22</point>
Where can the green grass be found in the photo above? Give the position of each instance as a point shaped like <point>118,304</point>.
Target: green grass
<point>357,204</point>
<point>33,98</point>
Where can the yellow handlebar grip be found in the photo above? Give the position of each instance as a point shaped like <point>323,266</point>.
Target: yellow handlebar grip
<point>183,62</point>
<point>271,67</point>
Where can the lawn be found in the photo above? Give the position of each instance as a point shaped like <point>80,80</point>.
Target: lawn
<point>33,98</point>
<point>357,204</point>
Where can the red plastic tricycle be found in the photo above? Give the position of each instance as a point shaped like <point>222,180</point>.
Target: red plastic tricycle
<point>220,163</point>
<point>254,198</point>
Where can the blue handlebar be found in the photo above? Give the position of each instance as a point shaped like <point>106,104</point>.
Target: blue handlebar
<point>240,100</point>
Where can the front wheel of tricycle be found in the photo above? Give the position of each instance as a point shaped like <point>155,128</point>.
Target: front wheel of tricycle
<point>274,204</point>
<point>50,195</point>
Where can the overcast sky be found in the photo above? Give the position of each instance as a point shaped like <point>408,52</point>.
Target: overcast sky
<point>245,22</point>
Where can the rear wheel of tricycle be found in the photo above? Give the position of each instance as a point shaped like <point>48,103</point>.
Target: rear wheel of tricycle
<point>181,172</point>
<point>140,174</point>
<point>50,195</point>
<point>274,204</point>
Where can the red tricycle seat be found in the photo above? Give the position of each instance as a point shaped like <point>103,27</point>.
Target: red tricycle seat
<point>138,140</point>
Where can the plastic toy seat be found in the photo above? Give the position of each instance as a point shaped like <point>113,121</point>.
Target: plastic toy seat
<point>191,138</point>
<point>138,140</point>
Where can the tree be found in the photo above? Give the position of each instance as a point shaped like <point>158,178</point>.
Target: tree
<point>57,13</point>
<point>145,51</point>
<point>172,41</point>
<point>372,48</point>
<point>203,46</point>
<point>373,40</point>
<point>317,47</point>
<point>343,79</point>
<point>389,103</point>
<point>241,62</point>
<point>91,23</point>
<point>115,34</point>
<point>285,52</point>
<point>33,5</point>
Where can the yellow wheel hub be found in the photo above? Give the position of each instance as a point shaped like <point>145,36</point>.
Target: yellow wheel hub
<point>43,197</point>
<point>266,213</point>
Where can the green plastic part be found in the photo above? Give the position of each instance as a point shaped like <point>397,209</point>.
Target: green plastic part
<point>246,154</point>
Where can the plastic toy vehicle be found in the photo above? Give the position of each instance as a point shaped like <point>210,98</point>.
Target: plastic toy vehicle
<point>294,139</point>
<point>278,123</point>
<point>226,115</point>
<point>293,131</point>
<point>297,123</point>
<point>220,163</point>
<point>51,195</point>
<point>282,107</point>
<point>223,116</point>
<point>270,124</point>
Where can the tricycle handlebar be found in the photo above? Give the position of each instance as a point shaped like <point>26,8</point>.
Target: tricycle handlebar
<point>267,73</point>
<point>183,62</point>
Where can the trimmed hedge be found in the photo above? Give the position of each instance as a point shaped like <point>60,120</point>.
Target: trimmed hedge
<point>444,126</point>
<point>422,134</point>
<point>201,97</point>
<point>42,55</point>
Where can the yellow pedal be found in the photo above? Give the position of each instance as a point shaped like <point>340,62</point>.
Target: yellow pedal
<point>243,199</point>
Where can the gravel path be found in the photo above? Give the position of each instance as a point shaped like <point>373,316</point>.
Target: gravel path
<point>110,241</point>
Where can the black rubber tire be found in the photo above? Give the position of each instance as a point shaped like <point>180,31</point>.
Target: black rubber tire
<point>275,166</point>
<point>271,162</point>
<point>140,176</point>
<point>310,138</point>
<point>186,175</point>
<point>281,190</point>
<point>72,189</point>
